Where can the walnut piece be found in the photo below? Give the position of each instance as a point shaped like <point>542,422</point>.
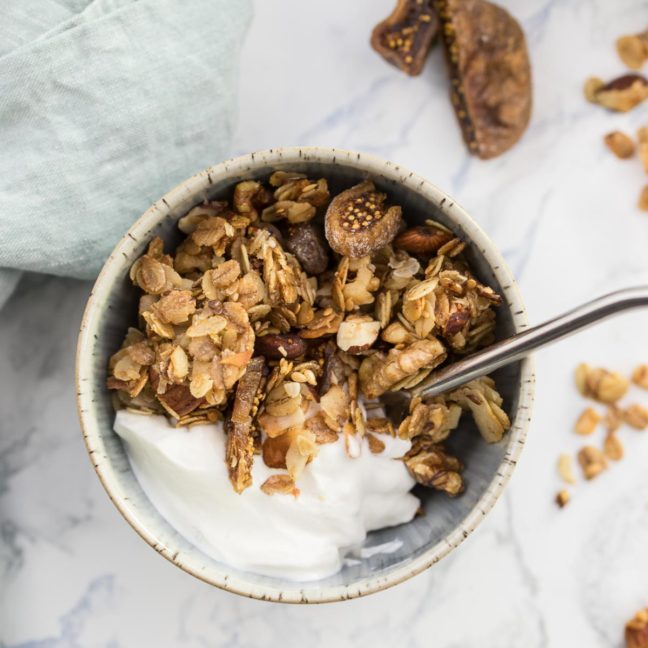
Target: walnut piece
<point>620,144</point>
<point>636,630</point>
<point>562,498</point>
<point>636,416</point>
<point>620,95</point>
<point>633,49</point>
<point>431,466</point>
<point>600,384</point>
<point>587,422</point>
<point>640,376</point>
<point>592,461</point>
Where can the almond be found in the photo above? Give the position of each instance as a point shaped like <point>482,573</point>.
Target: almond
<point>280,346</point>
<point>422,239</point>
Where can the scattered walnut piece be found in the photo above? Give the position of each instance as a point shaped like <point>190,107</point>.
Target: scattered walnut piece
<point>600,384</point>
<point>642,203</point>
<point>640,376</point>
<point>633,49</point>
<point>620,95</point>
<point>636,416</point>
<point>587,422</point>
<point>636,630</point>
<point>613,419</point>
<point>592,461</point>
<point>612,447</point>
<point>620,144</point>
<point>591,87</point>
<point>636,633</point>
<point>562,498</point>
<point>565,468</point>
<point>642,138</point>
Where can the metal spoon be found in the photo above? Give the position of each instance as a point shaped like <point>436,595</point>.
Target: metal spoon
<point>515,347</point>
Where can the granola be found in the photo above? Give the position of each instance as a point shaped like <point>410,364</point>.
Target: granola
<point>286,312</point>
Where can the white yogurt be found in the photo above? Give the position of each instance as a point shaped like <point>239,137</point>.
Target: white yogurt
<point>341,499</point>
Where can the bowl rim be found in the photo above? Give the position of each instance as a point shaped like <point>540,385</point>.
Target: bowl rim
<point>234,168</point>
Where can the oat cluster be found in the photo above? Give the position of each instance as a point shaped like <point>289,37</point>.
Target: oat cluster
<point>256,320</point>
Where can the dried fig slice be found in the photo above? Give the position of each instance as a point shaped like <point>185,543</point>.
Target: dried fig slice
<point>306,243</point>
<point>358,222</point>
<point>490,74</point>
<point>405,37</point>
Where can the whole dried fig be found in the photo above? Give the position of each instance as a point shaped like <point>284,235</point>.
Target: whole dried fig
<point>271,346</point>
<point>307,244</point>
<point>422,239</point>
<point>405,37</point>
<point>490,74</point>
<point>358,222</point>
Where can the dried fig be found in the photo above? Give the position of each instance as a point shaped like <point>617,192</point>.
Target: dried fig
<point>358,222</point>
<point>306,243</point>
<point>422,239</point>
<point>406,36</point>
<point>490,74</point>
<point>271,346</point>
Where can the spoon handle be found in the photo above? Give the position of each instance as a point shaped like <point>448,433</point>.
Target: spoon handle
<point>520,345</point>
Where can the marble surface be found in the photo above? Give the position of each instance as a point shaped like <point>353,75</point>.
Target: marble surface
<point>73,573</point>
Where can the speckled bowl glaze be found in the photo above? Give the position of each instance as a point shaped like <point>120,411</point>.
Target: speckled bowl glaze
<point>425,540</point>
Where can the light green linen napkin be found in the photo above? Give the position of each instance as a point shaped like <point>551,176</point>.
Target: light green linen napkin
<point>104,106</point>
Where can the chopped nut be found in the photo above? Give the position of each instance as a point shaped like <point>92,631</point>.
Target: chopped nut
<point>613,419</point>
<point>380,372</point>
<point>636,630</point>
<point>600,384</point>
<point>640,376</point>
<point>633,50</point>
<point>562,498</point>
<point>621,94</point>
<point>587,422</point>
<point>620,144</point>
<point>642,137</point>
<point>592,461</point>
<point>565,469</point>
<point>636,416</point>
<point>612,447</point>
<point>642,203</point>
<point>431,466</point>
<point>357,333</point>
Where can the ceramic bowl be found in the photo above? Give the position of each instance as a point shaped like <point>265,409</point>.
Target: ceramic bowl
<point>425,540</point>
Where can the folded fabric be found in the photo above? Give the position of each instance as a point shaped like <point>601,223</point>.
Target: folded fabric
<point>104,106</point>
